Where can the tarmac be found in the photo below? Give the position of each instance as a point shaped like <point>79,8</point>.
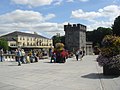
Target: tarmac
<point>84,74</point>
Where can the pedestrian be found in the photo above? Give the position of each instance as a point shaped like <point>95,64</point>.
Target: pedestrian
<point>27,58</point>
<point>23,56</point>
<point>18,56</point>
<point>36,56</point>
<point>1,54</point>
<point>83,53</point>
<point>77,54</point>
<point>32,59</point>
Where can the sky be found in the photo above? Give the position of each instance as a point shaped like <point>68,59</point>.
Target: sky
<point>48,17</point>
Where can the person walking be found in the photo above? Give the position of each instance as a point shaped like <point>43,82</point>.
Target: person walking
<point>83,53</point>
<point>18,53</point>
<point>77,54</point>
<point>23,56</point>
<point>1,55</point>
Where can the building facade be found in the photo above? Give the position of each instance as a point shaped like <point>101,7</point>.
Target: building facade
<point>75,38</point>
<point>27,40</point>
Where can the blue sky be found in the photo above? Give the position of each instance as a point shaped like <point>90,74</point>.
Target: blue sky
<point>48,17</point>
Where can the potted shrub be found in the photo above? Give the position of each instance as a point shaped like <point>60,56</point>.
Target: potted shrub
<point>109,57</point>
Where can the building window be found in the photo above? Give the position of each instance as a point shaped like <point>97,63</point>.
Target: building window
<point>12,44</point>
<point>27,43</point>
<point>23,44</point>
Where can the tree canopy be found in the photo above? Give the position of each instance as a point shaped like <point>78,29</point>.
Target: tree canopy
<point>116,26</point>
<point>3,44</point>
<point>97,35</point>
<point>58,39</point>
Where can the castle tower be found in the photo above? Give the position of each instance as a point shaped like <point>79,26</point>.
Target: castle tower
<point>75,36</point>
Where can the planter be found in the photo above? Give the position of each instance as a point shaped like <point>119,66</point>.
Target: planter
<point>110,71</point>
<point>60,60</point>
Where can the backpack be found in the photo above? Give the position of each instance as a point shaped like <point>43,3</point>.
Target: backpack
<point>19,53</point>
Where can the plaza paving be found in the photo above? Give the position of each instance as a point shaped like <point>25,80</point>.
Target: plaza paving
<point>72,75</point>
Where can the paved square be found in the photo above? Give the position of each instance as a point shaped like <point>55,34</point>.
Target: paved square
<point>43,75</point>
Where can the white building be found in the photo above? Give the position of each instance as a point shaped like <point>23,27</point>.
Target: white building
<point>27,40</point>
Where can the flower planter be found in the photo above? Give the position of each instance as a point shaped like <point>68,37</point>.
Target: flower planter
<point>110,71</point>
<point>60,60</point>
<point>110,55</point>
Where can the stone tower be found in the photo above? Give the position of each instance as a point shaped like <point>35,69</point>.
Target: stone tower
<point>75,37</point>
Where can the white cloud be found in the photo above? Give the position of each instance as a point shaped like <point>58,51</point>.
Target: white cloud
<point>97,24</point>
<point>36,3</point>
<point>49,16</point>
<point>33,3</point>
<point>109,13</point>
<point>18,16</point>
<point>85,15</point>
<point>27,20</point>
<point>21,16</point>
<point>57,2</point>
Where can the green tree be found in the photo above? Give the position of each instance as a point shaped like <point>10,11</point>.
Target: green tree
<point>116,26</point>
<point>56,39</point>
<point>62,38</point>
<point>97,35</point>
<point>4,44</point>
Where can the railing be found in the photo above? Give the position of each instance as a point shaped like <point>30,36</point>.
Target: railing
<point>11,57</point>
<point>8,57</point>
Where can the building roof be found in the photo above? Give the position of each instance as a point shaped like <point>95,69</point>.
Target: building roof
<point>10,36</point>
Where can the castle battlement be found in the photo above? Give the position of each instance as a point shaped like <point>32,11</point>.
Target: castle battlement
<point>74,27</point>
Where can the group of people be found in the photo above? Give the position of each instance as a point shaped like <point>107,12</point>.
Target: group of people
<point>22,57</point>
<point>63,55</point>
<point>56,56</point>
<point>79,54</point>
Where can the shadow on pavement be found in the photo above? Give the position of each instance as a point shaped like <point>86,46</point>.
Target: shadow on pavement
<point>13,65</point>
<point>48,62</point>
<point>98,76</point>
